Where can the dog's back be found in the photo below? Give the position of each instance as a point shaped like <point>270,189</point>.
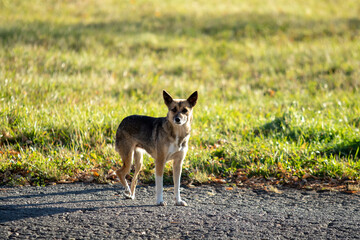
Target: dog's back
<point>142,130</point>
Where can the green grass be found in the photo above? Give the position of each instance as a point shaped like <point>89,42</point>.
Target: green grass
<point>278,85</point>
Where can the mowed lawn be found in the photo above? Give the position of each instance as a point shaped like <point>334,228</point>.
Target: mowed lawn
<point>278,85</point>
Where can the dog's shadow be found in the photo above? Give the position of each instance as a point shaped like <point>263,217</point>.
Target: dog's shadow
<point>60,202</point>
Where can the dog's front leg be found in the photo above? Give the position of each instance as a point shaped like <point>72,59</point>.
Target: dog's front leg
<point>159,172</point>
<point>177,168</point>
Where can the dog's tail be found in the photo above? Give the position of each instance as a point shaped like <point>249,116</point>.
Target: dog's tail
<point>118,138</point>
<point>117,143</point>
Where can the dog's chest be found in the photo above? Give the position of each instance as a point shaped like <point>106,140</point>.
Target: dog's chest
<point>178,145</point>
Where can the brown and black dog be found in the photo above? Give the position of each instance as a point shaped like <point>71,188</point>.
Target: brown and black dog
<point>164,139</point>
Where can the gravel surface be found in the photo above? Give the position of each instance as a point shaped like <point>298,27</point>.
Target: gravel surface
<point>92,211</point>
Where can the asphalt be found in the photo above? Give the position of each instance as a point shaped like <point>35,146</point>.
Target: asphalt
<point>93,211</point>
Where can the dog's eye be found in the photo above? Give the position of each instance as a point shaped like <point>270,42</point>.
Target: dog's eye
<point>184,110</point>
<point>174,109</point>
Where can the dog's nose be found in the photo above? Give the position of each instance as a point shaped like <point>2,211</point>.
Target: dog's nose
<point>177,120</point>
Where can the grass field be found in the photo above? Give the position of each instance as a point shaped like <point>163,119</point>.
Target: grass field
<point>278,86</point>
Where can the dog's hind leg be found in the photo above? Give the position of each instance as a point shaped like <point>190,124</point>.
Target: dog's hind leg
<point>126,154</point>
<point>138,161</point>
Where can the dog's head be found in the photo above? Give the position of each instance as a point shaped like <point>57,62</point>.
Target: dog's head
<point>180,110</point>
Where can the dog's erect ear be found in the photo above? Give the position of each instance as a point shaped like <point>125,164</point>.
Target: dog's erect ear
<point>193,98</point>
<point>167,98</point>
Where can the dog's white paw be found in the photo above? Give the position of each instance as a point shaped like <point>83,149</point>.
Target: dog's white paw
<point>128,195</point>
<point>161,203</point>
<point>181,203</point>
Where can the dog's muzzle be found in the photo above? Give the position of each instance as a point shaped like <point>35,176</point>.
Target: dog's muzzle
<point>179,120</point>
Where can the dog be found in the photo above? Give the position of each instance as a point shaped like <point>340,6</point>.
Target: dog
<point>164,139</point>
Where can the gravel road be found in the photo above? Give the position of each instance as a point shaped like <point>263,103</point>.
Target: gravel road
<point>92,211</point>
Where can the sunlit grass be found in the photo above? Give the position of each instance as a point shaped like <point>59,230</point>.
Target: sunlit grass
<point>278,85</point>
